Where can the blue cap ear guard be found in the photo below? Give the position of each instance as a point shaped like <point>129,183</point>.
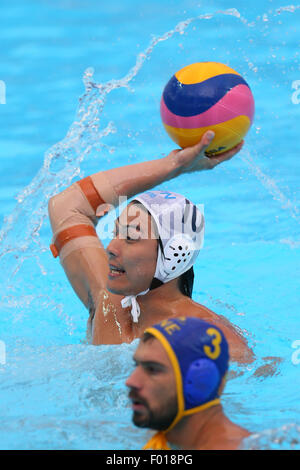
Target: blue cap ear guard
<point>201,383</point>
<point>198,352</point>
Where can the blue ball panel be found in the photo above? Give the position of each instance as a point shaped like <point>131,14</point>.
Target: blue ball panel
<point>190,100</point>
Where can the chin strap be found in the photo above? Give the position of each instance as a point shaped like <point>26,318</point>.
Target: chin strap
<point>157,442</point>
<point>130,301</point>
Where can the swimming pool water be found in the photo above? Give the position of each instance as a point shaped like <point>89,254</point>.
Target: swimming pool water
<point>83,85</point>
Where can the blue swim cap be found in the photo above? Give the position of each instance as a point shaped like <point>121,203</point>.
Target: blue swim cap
<point>198,352</point>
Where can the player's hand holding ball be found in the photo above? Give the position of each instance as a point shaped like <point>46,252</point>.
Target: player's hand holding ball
<point>192,159</point>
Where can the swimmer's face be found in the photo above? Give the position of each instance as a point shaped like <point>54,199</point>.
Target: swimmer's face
<point>152,387</point>
<point>132,253</point>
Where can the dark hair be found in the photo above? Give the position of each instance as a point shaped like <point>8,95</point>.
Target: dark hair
<point>146,336</point>
<point>186,282</point>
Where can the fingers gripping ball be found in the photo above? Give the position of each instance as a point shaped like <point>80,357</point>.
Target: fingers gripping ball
<point>207,96</point>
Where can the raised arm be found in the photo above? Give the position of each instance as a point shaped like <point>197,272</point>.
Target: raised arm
<point>75,212</point>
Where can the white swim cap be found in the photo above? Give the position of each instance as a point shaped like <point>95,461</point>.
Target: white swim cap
<point>180,226</point>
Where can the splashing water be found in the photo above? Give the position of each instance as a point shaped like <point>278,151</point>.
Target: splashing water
<point>271,186</point>
<point>62,161</point>
<point>286,437</point>
<point>87,371</point>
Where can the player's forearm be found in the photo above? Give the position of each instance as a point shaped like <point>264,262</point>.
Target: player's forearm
<point>75,211</point>
<point>133,179</point>
<point>109,185</point>
<point>87,200</point>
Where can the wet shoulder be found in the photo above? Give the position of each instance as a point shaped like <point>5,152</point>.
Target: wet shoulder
<point>238,345</point>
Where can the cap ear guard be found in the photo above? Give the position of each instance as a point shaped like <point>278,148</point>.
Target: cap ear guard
<point>177,254</point>
<point>201,382</point>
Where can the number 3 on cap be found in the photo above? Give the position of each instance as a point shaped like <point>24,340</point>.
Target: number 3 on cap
<point>213,353</point>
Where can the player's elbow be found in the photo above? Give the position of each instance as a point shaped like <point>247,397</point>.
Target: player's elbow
<point>58,210</point>
<point>52,207</point>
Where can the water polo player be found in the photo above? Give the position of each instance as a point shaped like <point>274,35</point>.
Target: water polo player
<point>136,281</point>
<point>175,388</point>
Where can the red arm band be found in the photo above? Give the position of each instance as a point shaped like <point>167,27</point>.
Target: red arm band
<point>88,188</point>
<point>69,234</point>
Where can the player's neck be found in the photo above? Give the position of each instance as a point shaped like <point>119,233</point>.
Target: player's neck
<point>160,303</point>
<point>194,431</point>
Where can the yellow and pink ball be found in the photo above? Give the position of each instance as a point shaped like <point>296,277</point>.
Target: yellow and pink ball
<point>207,96</point>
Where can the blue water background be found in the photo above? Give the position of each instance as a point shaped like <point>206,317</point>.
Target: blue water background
<point>83,85</point>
